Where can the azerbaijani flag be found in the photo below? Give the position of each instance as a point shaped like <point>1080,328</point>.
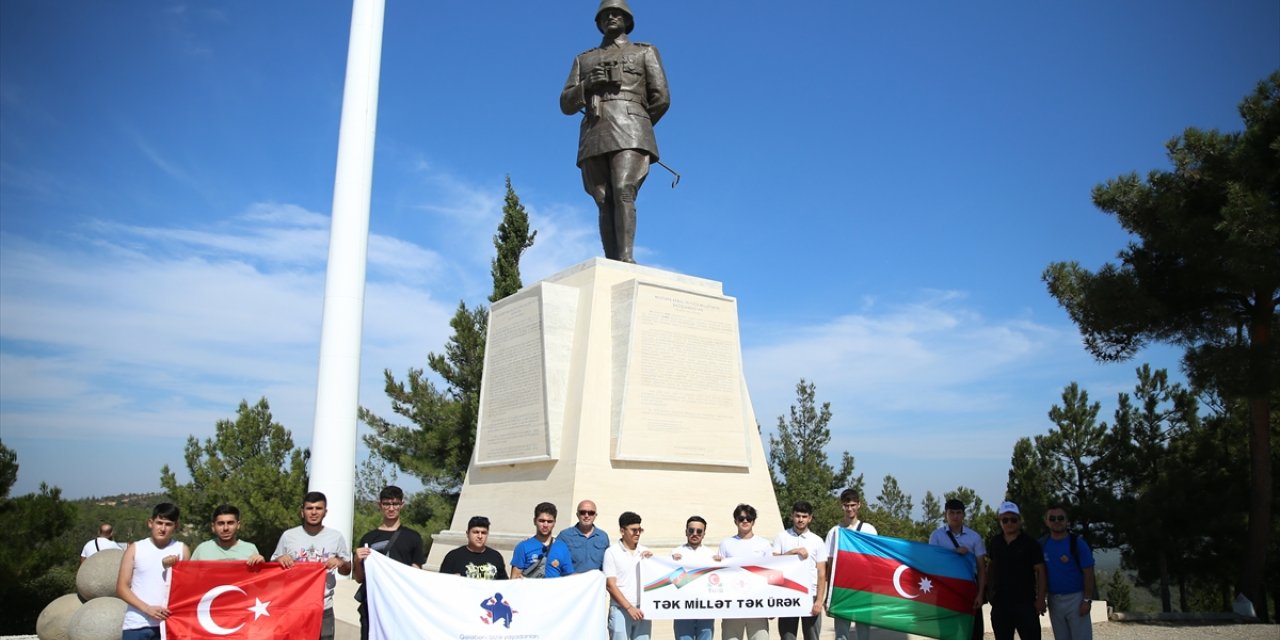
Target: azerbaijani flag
<point>902,585</point>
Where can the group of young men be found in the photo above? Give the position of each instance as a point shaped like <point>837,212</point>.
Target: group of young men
<point>1022,577</point>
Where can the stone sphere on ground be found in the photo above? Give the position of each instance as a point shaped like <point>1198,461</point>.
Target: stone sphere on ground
<point>98,619</point>
<point>55,620</point>
<point>97,576</point>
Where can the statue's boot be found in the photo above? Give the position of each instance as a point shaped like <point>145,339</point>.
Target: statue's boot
<point>625,227</point>
<point>608,233</point>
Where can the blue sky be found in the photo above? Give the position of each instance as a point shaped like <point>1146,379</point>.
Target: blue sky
<point>879,184</point>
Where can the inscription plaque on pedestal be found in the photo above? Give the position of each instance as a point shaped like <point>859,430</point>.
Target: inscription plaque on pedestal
<point>522,399</point>
<point>677,377</point>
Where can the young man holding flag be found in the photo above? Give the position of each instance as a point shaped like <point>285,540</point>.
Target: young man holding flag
<point>392,539</point>
<point>695,532</point>
<point>143,581</point>
<point>313,542</point>
<point>226,543</point>
<point>746,544</point>
<point>903,585</point>
<point>850,502</point>
<point>626,621</point>
<point>800,541</point>
<point>965,541</point>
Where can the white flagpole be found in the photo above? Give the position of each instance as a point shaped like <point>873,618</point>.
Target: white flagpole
<point>333,444</point>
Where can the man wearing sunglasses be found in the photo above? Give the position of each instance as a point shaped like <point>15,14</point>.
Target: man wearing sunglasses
<point>746,544</point>
<point>1068,561</point>
<point>1017,576</point>
<point>693,551</point>
<point>585,540</point>
<point>626,621</point>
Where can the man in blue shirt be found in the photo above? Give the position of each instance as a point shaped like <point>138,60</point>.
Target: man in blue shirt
<point>586,542</point>
<point>541,556</point>
<point>1071,579</point>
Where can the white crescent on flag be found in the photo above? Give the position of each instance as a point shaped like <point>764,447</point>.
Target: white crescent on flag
<point>897,582</point>
<point>202,610</point>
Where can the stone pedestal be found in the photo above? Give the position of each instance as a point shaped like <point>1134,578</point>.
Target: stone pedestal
<point>621,384</point>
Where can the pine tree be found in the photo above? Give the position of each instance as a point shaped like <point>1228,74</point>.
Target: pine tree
<point>1028,486</point>
<point>1203,273</point>
<point>436,446</point>
<point>251,463</point>
<point>512,239</point>
<point>1072,452</point>
<point>798,460</point>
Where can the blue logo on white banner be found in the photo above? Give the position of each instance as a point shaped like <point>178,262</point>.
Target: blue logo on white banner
<point>407,603</point>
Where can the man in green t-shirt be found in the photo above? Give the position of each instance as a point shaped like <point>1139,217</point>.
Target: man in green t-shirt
<point>226,544</point>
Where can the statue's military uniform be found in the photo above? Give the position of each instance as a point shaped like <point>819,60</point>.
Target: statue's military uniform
<point>622,116</point>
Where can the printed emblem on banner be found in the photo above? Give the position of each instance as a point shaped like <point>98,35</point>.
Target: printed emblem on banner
<point>497,609</point>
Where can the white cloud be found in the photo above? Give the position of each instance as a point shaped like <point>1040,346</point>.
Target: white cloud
<point>932,355</point>
<point>151,331</point>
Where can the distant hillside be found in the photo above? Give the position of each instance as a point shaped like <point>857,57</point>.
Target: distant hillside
<point>126,512</point>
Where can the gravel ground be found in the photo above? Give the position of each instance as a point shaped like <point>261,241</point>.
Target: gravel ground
<point>1180,631</point>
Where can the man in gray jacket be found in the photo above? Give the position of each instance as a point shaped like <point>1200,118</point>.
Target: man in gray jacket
<point>621,90</point>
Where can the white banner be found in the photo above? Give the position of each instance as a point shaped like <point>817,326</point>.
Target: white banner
<point>768,587</point>
<point>407,603</point>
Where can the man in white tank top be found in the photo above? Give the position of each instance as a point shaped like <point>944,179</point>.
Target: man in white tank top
<point>143,581</point>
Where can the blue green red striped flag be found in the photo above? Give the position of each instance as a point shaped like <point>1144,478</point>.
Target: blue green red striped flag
<point>903,585</point>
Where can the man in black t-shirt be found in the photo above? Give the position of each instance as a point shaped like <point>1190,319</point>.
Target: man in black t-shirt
<point>475,559</point>
<point>1017,578</point>
<point>391,539</point>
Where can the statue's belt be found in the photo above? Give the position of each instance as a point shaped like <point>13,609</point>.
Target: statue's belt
<point>629,97</point>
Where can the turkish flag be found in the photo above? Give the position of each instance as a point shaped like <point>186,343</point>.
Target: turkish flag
<point>223,599</point>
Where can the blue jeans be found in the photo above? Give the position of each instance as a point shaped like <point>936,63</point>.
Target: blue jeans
<point>622,627</point>
<point>145,633</point>
<point>703,629</point>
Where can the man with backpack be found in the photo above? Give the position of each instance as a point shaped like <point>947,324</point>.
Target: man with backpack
<point>1068,561</point>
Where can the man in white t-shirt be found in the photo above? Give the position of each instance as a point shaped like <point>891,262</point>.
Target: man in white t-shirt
<point>800,541</point>
<point>746,544</point>
<point>850,502</point>
<point>104,541</point>
<point>626,621</point>
<point>695,532</point>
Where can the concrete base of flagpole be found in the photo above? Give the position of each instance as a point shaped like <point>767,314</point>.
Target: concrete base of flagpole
<point>345,616</point>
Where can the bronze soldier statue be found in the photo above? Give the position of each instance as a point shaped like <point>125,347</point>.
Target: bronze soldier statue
<point>621,90</point>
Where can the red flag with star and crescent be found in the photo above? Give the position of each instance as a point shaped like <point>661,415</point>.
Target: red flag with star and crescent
<point>225,599</point>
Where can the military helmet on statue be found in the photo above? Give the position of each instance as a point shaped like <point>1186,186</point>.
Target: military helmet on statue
<point>620,5</point>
